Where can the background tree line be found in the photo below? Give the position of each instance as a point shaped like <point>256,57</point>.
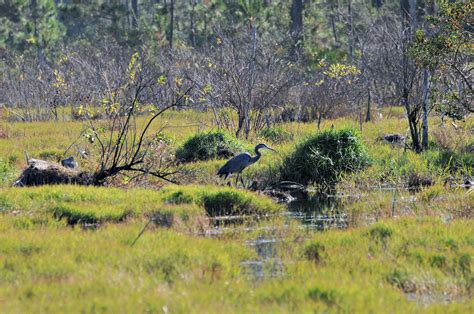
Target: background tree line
<point>258,61</point>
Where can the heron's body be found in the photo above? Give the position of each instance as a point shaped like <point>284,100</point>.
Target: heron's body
<point>238,163</point>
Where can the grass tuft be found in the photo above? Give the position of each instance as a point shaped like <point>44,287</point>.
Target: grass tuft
<point>325,157</point>
<point>206,146</point>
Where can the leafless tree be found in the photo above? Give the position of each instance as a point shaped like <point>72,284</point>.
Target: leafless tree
<point>124,145</point>
<point>246,75</point>
<point>333,90</point>
<point>397,79</point>
<point>32,93</point>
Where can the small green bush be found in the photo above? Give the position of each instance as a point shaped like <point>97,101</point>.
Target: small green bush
<point>402,279</point>
<point>78,215</point>
<point>325,157</point>
<point>380,233</point>
<point>205,146</point>
<point>328,296</point>
<point>314,252</point>
<point>276,135</point>
<point>163,138</point>
<point>180,197</point>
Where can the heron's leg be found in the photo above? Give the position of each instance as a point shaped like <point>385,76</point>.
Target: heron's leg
<point>237,179</point>
<point>242,181</point>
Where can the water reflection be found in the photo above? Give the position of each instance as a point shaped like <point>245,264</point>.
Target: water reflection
<point>319,211</point>
<point>268,264</point>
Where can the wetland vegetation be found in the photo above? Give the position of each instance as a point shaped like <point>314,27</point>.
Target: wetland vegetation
<point>116,116</point>
<point>69,248</point>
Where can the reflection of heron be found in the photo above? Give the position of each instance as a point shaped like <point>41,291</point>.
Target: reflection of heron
<point>238,163</point>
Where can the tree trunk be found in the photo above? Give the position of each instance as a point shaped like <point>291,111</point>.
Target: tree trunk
<point>405,8</point>
<point>135,13</point>
<point>413,21</point>
<point>253,60</point>
<point>296,26</point>
<point>39,47</point>
<point>192,31</point>
<point>241,121</point>
<point>350,31</point>
<point>368,115</point>
<point>412,123</point>
<point>430,10</point>
<point>425,109</point>
<point>171,25</point>
<point>320,118</point>
<point>332,21</point>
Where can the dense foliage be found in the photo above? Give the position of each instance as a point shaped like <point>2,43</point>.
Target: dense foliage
<point>205,146</point>
<point>323,158</point>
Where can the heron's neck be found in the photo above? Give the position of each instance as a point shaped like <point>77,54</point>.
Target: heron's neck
<point>257,155</point>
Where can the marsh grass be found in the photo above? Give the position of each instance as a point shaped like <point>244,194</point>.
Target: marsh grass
<point>414,255</point>
<point>49,267</point>
<point>91,205</point>
<point>395,245</point>
<point>7,171</point>
<point>389,164</point>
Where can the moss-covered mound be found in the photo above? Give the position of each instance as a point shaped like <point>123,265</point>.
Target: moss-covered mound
<point>218,201</point>
<point>325,157</point>
<point>205,146</point>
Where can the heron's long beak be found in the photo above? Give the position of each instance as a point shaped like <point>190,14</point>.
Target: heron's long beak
<point>272,149</point>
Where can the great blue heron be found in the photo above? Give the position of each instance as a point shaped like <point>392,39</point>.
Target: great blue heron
<point>238,163</point>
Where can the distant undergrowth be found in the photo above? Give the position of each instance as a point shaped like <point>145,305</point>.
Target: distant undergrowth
<point>276,135</point>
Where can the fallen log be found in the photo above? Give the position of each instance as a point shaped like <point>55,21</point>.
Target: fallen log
<point>40,172</point>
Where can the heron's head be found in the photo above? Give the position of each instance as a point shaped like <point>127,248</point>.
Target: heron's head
<point>261,146</point>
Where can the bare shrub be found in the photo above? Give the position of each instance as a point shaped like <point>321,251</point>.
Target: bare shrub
<point>245,77</point>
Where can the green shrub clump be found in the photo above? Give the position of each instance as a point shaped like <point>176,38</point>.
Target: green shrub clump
<point>205,146</point>
<point>276,135</point>
<point>325,157</point>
